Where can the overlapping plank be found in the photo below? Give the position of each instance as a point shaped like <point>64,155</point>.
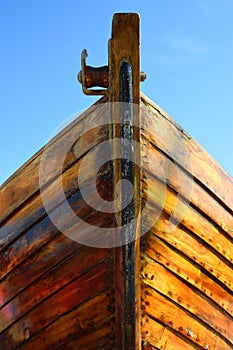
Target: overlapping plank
<point>44,230</point>
<point>56,278</point>
<point>201,249</point>
<point>160,165</point>
<point>166,283</point>
<point>17,189</point>
<point>181,209</point>
<point>89,284</point>
<point>162,131</point>
<point>195,251</point>
<point>36,265</point>
<point>34,209</point>
<point>75,324</point>
<point>169,257</point>
<point>157,336</point>
<point>171,315</point>
<point>100,338</point>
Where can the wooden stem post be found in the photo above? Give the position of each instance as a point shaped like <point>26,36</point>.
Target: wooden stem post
<point>124,95</point>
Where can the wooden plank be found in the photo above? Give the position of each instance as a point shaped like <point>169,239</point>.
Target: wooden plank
<point>169,314</point>
<point>210,235</point>
<point>124,52</point>
<point>149,347</point>
<point>34,209</point>
<point>100,338</point>
<point>155,122</point>
<point>47,257</point>
<point>89,284</point>
<point>166,283</point>
<point>26,245</point>
<point>44,230</point>
<point>158,164</point>
<point>85,318</point>
<point>194,250</point>
<point>158,336</point>
<point>52,281</point>
<point>17,189</point>
<point>157,250</point>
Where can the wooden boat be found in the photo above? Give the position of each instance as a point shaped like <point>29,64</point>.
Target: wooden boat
<point>154,274</point>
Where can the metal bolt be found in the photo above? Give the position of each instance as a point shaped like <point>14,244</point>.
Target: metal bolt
<point>142,76</point>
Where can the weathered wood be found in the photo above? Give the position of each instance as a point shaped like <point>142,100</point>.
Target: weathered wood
<point>186,270</point>
<point>33,210</point>
<point>76,324</point>
<point>99,338</point>
<point>192,238</point>
<point>159,165</point>
<point>44,230</point>
<point>161,337</point>
<point>42,288</point>
<point>124,93</point>
<point>165,133</point>
<point>177,293</point>
<point>167,284</point>
<point>47,257</point>
<point>172,316</point>
<point>91,283</point>
<point>192,219</point>
<point>195,251</point>
<point>17,189</point>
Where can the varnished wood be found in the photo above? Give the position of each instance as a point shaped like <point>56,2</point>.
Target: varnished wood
<point>197,250</point>
<point>16,190</point>
<point>205,168</point>
<point>175,289</point>
<point>41,268</point>
<point>187,270</point>
<point>174,318</point>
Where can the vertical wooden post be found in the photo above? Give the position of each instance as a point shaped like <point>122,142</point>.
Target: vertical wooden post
<point>124,87</point>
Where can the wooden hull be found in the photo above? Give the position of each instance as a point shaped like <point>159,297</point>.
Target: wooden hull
<point>186,272</point>
<point>54,292</point>
<point>59,294</point>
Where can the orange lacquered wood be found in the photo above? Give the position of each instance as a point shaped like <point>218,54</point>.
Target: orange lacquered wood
<point>157,336</point>
<point>157,249</point>
<point>60,276</point>
<point>171,287</point>
<point>49,255</point>
<point>94,314</point>
<point>177,319</point>
<point>200,198</point>
<point>186,264</point>
<point>88,285</point>
<point>44,275</point>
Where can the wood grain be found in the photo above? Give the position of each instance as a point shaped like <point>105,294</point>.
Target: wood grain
<point>79,290</point>
<point>17,189</point>
<point>161,166</point>
<point>186,260</point>
<point>166,255</point>
<point>175,318</point>
<point>121,49</point>
<point>162,131</point>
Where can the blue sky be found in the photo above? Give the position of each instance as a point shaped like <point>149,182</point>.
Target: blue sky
<point>186,51</point>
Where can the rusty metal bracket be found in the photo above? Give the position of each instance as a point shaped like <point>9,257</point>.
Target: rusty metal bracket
<point>92,77</point>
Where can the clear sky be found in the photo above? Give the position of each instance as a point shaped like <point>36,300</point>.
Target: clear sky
<point>186,51</point>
